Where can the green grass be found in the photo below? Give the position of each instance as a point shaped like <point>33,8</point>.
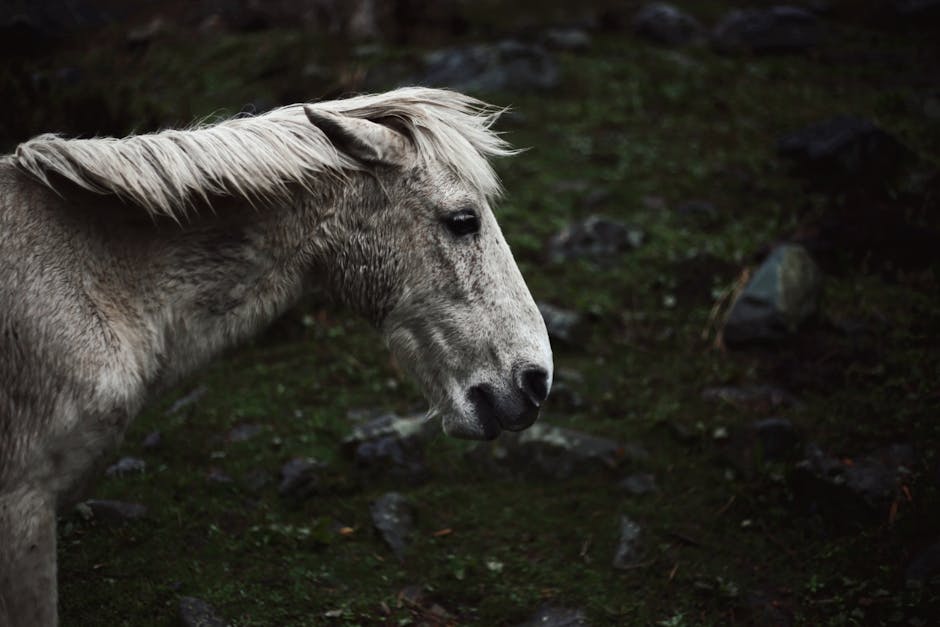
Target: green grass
<point>637,121</point>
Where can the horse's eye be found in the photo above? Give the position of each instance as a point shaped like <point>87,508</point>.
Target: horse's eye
<point>463,222</point>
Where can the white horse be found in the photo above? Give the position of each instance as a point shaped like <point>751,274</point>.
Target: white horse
<point>126,263</point>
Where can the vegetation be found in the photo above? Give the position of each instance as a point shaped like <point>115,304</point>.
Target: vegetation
<point>633,132</point>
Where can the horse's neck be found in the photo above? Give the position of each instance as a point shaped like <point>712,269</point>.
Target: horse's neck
<point>204,288</point>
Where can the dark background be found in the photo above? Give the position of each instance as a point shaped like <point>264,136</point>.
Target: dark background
<point>768,462</point>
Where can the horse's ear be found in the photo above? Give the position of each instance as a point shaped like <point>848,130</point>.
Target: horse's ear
<point>366,141</point>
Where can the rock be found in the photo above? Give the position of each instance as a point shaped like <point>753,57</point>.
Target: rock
<point>780,296</point>
<point>567,39</point>
<point>925,565</point>
<point>754,397</point>
<point>843,152</point>
<point>553,616</point>
<point>114,511</point>
<point>628,552</point>
<point>143,35</point>
<point>126,466</point>
<point>393,518</point>
<point>772,30</point>
<point>849,493</point>
<point>190,399</point>
<point>561,323</point>
<point>378,425</point>
<point>769,440</point>
<point>506,65</point>
<point>300,478</point>
<point>391,445</point>
<point>545,451</point>
<point>593,238</point>
<point>152,440</point>
<point>665,24</point>
<point>777,438</point>
<point>638,484</point>
<point>390,456</point>
<point>197,613</point>
<point>243,433</point>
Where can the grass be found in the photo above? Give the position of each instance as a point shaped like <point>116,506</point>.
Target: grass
<point>651,128</point>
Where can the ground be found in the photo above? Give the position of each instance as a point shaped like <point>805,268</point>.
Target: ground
<point>633,131</point>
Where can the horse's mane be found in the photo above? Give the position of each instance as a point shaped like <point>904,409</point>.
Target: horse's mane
<point>260,158</point>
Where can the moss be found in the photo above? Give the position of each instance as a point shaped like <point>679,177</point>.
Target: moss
<point>637,121</point>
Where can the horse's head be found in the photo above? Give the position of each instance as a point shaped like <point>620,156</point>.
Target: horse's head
<point>428,262</point>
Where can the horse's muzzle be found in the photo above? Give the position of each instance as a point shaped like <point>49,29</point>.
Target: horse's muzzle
<point>499,411</point>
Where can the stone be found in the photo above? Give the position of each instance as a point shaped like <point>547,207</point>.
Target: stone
<point>567,39</point>
<point>593,238</point>
<point>114,511</point>
<point>628,554</point>
<point>243,433</point>
<point>561,323</point>
<point>505,65</point>
<point>393,518</point>
<point>545,451</point>
<point>772,30</point>
<point>665,24</point>
<point>152,440</point>
<point>781,296</point>
<point>638,484</point>
<point>849,493</point>
<point>554,616</point>
<point>844,152</point>
<point>777,438</point>
<point>187,401</point>
<point>197,613</point>
<point>126,466</point>
<point>391,445</point>
<point>300,478</point>
<point>755,397</point>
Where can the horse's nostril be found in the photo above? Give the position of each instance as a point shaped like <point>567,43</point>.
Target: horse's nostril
<point>534,384</point>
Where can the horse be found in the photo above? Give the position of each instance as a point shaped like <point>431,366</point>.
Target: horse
<point>126,263</point>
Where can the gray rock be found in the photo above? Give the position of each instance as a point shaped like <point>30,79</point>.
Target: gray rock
<point>243,433</point>
<point>848,493</point>
<point>152,440</point>
<point>545,451</point>
<point>925,565</point>
<point>755,397</point>
<point>393,518</point>
<point>844,152</point>
<point>300,478</point>
<point>506,65</point>
<point>390,424</point>
<point>126,466</point>
<point>113,511</point>
<point>772,30</point>
<point>638,484</point>
<point>568,39</point>
<point>777,438</point>
<point>593,238</point>
<point>561,323</point>
<point>628,553</point>
<point>187,401</point>
<point>781,295</point>
<point>667,25</point>
<point>197,613</point>
<point>391,445</point>
<point>553,616</point>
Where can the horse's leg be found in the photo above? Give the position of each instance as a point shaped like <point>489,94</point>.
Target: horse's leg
<point>27,559</point>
